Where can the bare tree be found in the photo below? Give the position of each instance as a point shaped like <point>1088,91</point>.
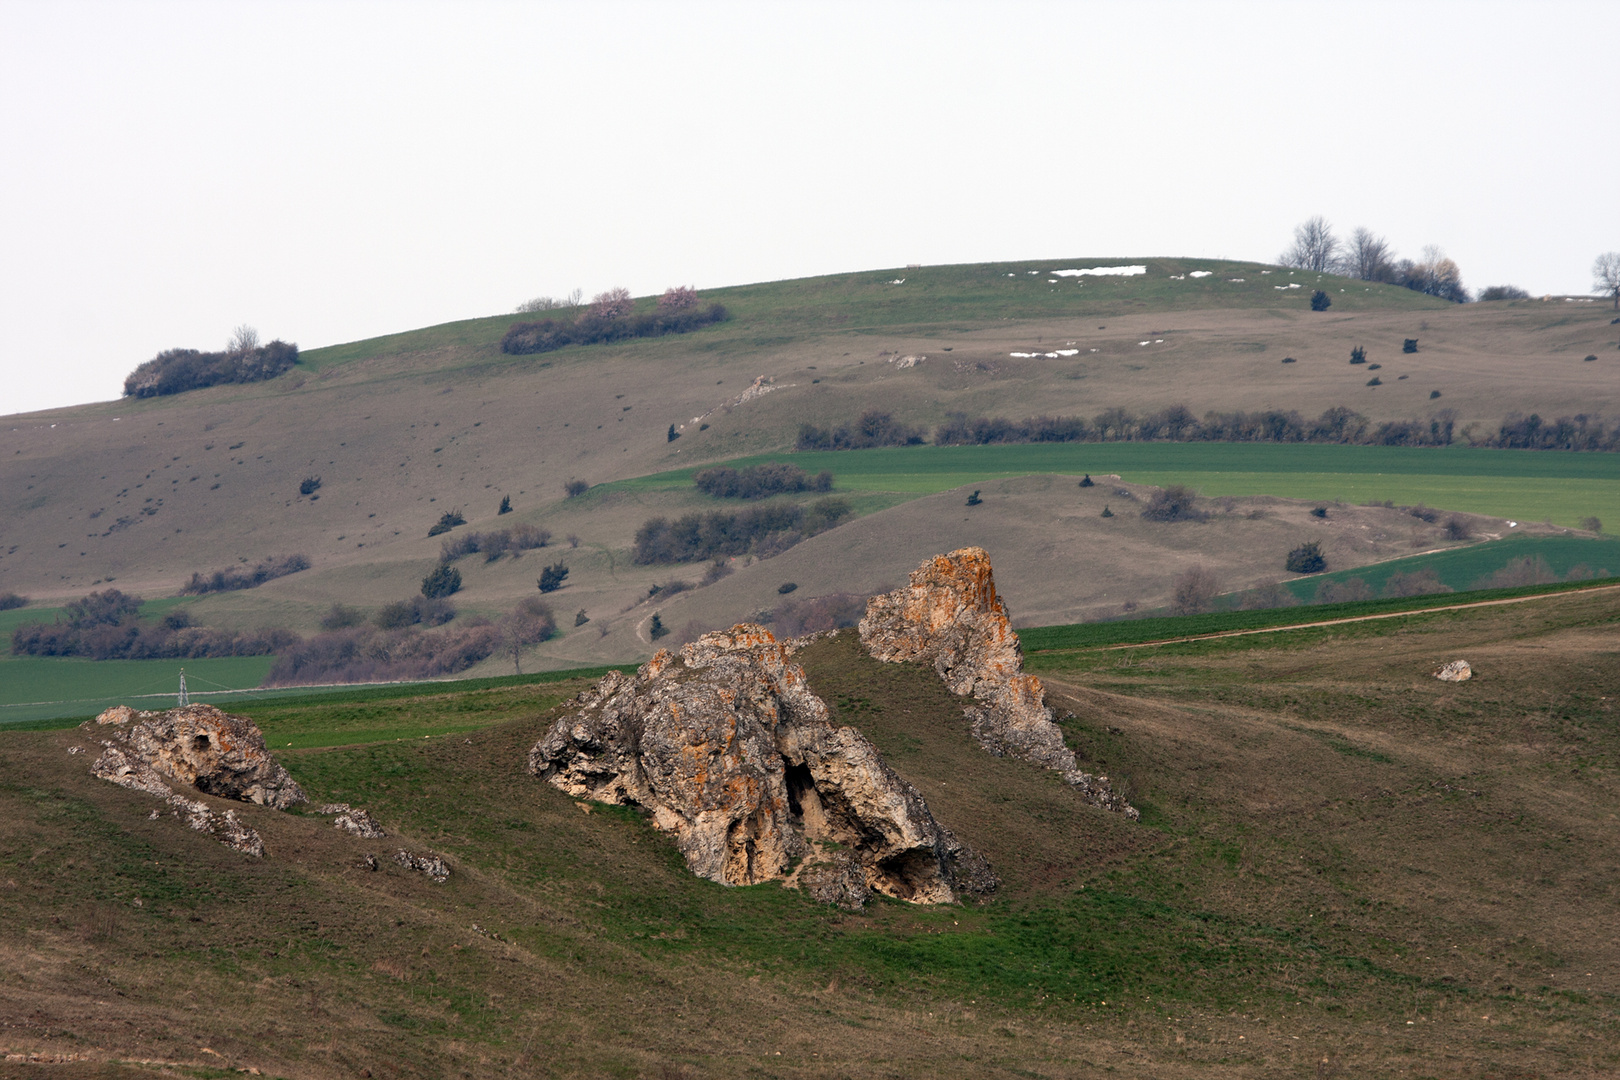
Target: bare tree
<point>243,338</point>
<point>539,303</point>
<point>1314,248</point>
<point>1434,274</point>
<point>1369,257</point>
<point>530,623</point>
<point>1195,590</point>
<point>574,298</point>
<point>1606,275</point>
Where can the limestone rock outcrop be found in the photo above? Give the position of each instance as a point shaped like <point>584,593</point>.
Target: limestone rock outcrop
<point>949,616</point>
<point>197,747</point>
<point>1455,671</point>
<point>732,754</point>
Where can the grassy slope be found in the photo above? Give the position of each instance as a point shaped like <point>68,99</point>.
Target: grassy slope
<point>1339,859</point>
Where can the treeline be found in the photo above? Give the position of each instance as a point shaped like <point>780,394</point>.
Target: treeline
<point>760,481</point>
<point>610,318</point>
<point>178,370</point>
<point>763,531</point>
<point>874,428</point>
<point>1178,423</point>
<point>245,577</point>
<point>107,626</point>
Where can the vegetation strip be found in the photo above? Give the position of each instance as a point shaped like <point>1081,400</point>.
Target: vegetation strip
<point>1424,610</point>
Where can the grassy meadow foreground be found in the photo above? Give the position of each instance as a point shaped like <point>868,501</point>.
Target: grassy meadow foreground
<point>1344,868</point>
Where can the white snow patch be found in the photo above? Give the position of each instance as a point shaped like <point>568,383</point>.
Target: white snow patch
<point>906,361</point>
<point>898,281</point>
<point>1101,271</point>
<point>1178,277</point>
<point>1200,273</point>
<point>1265,271</point>
<point>1046,355</point>
<point>1235,280</point>
<point>1144,342</point>
<point>1513,524</point>
<point>1158,341</point>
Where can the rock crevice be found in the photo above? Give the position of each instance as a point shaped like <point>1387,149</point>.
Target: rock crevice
<point>950,617</point>
<point>733,755</point>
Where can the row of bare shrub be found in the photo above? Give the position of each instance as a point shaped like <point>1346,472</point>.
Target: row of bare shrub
<point>107,626</point>
<point>763,531</point>
<point>492,545</point>
<point>177,370</point>
<point>603,322</point>
<point>245,577</point>
<point>760,481</point>
<point>1178,424</point>
<point>873,428</point>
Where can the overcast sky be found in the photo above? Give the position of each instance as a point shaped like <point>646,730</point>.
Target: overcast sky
<point>328,172</point>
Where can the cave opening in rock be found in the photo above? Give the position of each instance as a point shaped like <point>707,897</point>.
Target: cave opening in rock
<point>910,875</point>
<point>199,742</point>
<point>805,801</point>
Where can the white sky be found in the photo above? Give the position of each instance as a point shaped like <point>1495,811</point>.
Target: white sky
<point>328,172</point>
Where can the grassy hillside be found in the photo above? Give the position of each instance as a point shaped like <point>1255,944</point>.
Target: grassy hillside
<point>1343,867</point>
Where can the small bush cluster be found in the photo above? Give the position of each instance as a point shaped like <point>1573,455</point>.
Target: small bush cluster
<point>178,370</point>
<point>1348,591</point>
<point>1195,590</point>
<point>873,428</point>
<point>107,626</point>
<point>11,600</point>
<point>835,611</point>
<point>1177,502</point>
<point>1502,292</point>
<point>762,531</point>
<point>1320,301</point>
<point>339,617</point>
<point>447,521</point>
<point>492,545</point>
<point>371,654</point>
<point>1306,559</point>
<point>309,485</point>
<point>552,577</point>
<point>1178,424</point>
<point>244,577</point>
<point>443,580</point>
<point>1424,582</point>
<point>1581,432</point>
<point>575,488</point>
<point>760,481</point>
<point>610,318</point>
<point>413,611</point>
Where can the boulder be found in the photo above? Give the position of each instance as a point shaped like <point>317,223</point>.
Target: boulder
<point>197,747</point>
<point>1455,671</point>
<point>731,753</point>
<point>949,616</point>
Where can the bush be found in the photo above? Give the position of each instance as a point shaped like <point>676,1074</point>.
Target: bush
<point>506,505</point>
<point>763,531</point>
<point>493,545</point>
<point>178,370</point>
<point>1502,292</point>
<point>1590,524</point>
<point>1289,360</point>
<point>656,629</point>
<point>608,319</point>
<point>1087,481</point>
<point>1195,591</point>
<point>1268,596</point>
<point>678,298</point>
<point>1589,357</point>
<point>973,499</point>
<point>368,654</point>
<point>1343,592</point>
<point>447,521</point>
<point>760,481</point>
<point>415,611</point>
<point>107,626</point>
<point>1358,355</point>
<point>1319,512</point>
<point>673,434</point>
<point>832,612</point>
<point>580,618</point>
<point>787,587</point>
<point>551,577</point>
<point>575,488</point>
<point>1423,582</point>
<point>1409,345</point>
<point>1107,512</point>
<point>310,485</point>
<point>241,577</point>
<point>1457,528</point>
<point>339,617</point>
<point>443,580</point>
<point>1433,394</point>
<point>1176,502</point>
<point>718,569</point>
<point>874,428</point>
<point>1375,381</point>
<point>10,600</point>
<point>1320,301</point>
<point>1525,570</point>
<point>1306,559</point>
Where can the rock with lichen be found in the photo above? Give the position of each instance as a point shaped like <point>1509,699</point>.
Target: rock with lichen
<point>950,617</point>
<point>197,747</point>
<point>732,753</point>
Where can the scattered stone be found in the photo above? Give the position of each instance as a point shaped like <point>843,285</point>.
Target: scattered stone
<point>1455,671</point>
<point>431,865</point>
<point>333,808</point>
<point>370,861</point>
<point>195,746</point>
<point>950,617</point>
<point>359,823</point>
<point>225,828</point>
<point>837,879</point>
<point>732,753</point>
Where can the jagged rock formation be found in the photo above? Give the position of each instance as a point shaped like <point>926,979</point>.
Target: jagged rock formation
<point>353,820</point>
<point>195,746</point>
<point>950,617</point>
<point>431,865</point>
<point>1455,671</point>
<point>735,756</point>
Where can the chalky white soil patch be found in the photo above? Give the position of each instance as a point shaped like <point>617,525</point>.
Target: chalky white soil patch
<point>1102,271</point>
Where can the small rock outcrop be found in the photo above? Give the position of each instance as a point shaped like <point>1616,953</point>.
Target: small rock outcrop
<point>193,746</point>
<point>353,820</point>
<point>1455,671</point>
<point>950,616</point>
<point>732,754</point>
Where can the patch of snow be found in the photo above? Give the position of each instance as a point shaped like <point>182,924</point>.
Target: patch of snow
<point>1158,341</point>
<point>1101,271</point>
<point>1051,281</point>
<point>1265,271</point>
<point>1178,277</point>
<point>1144,342</point>
<point>1093,350</point>
<point>1034,271</point>
<point>1067,352</point>
<point>1513,524</point>
<point>1202,273</point>
<point>898,281</point>
<point>1235,280</point>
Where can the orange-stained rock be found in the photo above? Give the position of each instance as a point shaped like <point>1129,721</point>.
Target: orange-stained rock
<point>949,616</point>
<point>732,753</point>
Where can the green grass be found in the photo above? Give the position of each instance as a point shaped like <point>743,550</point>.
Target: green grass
<point>1463,568</point>
<point>936,296</point>
<point>85,687</point>
<point>1520,485</point>
<point>1037,639</point>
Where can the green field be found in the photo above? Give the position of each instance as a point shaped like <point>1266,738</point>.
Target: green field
<point>1520,485</point>
<point>1463,568</point>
